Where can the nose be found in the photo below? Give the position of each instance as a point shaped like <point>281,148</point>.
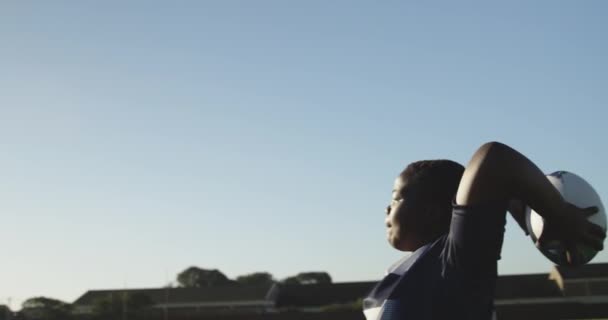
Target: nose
<point>386,220</point>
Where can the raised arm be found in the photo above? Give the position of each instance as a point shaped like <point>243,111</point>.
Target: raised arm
<point>498,173</point>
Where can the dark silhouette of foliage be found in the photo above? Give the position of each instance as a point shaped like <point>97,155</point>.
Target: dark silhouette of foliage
<point>256,278</point>
<point>195,277</point>
<point>309,278</point>
<point>43,308</point>
<point>5,312</point>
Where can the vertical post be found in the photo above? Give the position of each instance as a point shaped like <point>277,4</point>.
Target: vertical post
<point>124,299</point>
<point>166,308</point>
<point>124,305</point>
<point>8,308</point>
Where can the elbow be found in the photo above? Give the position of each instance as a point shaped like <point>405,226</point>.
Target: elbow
<point>491,158</point>
<point>486,177</point>
<point>492,151</point>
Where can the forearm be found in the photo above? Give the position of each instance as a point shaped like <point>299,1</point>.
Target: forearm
<point>517,208</point>
<point>497,174</point>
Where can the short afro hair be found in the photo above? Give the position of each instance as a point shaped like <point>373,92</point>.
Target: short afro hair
<point>435,183</point>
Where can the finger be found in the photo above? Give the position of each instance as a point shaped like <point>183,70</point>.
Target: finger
<point>596,231</point>
<point>590,211</point>
<point>572,257</point>
<point>538,244</point>
<point>541,243</point>
<point>569,247</point>
<point>569,257</point>
<point>593,242</point>
<point>542,240</point>
<point>548,233</point>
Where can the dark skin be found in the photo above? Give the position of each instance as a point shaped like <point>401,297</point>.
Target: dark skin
<point>496,174</point>
<point>409,222</point>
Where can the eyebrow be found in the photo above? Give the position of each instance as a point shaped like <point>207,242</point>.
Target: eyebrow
<point>402,191</point>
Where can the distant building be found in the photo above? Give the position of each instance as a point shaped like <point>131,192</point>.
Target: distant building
<point>233,299</point>
<point>319,297</point>
<point>563,293</point>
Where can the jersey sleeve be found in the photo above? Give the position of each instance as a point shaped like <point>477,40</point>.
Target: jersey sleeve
<point>475,239</point>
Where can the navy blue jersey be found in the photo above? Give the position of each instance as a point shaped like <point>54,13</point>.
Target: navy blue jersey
<point>453,277</point>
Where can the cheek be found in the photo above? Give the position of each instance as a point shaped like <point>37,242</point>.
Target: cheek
<point>402,223</point>
<point>395,234</point>
<point>393,220</point>
<point>396,222</point>
<point>398,217</point>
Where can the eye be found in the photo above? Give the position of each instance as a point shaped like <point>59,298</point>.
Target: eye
<point>394,202</point>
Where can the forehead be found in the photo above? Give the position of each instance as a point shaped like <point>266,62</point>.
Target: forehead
<point>400,184</point>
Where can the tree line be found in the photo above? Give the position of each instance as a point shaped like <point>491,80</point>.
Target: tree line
<point>195,277</point>
<point>129,304</point>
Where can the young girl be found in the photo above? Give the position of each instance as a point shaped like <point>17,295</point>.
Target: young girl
<point>453,219</point>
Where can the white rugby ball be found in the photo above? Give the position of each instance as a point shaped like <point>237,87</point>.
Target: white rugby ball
<point>577,191</point>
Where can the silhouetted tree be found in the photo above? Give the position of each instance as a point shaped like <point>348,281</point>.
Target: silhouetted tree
<point>195,277</point>
<point>43,308</point>
<point>256,278</point>
<point>308,278</point>
<point>5,312</point>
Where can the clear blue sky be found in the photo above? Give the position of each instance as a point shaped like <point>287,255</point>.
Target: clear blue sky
<point>141,138</point>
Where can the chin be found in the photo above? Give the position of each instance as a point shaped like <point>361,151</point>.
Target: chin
<point>391,241</point>
<point>404,245</point>
<point>395,243</point>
